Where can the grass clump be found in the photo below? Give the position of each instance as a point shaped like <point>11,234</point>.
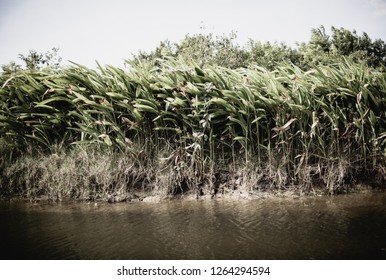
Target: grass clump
<point>82,173</point>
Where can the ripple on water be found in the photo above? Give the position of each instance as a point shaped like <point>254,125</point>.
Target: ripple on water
<point>343,227</point>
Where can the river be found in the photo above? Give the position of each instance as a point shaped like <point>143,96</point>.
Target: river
<point>328,227</point>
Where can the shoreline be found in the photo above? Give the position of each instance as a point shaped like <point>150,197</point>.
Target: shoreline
<point>148,197</point>
<point>92,174</point>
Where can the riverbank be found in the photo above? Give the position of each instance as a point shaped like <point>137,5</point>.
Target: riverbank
<point>98,174</point>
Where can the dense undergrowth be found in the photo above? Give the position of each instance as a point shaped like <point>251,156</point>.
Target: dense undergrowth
<point>178,128</point>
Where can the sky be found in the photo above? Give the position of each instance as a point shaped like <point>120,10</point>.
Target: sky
<point>111,30</point>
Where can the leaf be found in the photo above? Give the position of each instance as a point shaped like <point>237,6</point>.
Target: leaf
<point>83,98</point>
<point>108,141</point>
<point>145,108</point>
<point>116,95</point>
<point>225,104</point>
<point>284,127</point>
<point>53,99</point>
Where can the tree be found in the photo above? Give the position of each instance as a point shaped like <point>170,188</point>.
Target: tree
<point>204,49</point>
<point>320,40</point>
<point>271,55</point>
<point>322,49</point>
<point>34,61</point>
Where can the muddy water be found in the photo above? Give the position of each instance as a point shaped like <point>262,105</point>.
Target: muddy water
<point>341,227</point>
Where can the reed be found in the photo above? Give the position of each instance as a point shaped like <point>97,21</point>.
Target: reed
<point>324,127</point>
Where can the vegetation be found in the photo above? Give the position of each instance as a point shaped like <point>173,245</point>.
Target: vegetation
<point>171,124</point>
<point>322,49</point>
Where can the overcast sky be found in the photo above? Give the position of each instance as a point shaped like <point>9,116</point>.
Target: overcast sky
<point>110,30</point>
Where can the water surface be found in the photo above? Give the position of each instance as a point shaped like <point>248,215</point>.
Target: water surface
<point>340,227</point>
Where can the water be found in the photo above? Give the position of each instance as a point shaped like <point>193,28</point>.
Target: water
<point>341,227</point>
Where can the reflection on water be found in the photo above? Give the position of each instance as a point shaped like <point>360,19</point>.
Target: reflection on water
<point>341,227</point>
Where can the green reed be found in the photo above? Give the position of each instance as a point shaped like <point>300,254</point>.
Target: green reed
<point>323,126</point>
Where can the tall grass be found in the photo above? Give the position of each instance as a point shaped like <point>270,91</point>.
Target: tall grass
<point>284,128</point>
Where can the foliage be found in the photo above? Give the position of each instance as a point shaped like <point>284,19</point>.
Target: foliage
<point>33,61</point>
<point>270,56</point>
<point>299,125</point>
<point>204,49</point>
<point>322,49</point>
